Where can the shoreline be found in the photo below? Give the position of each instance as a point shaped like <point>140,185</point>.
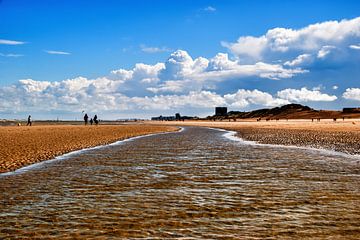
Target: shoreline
<point>343,137</point>
<point>24,146</point>
<point>233,135</point>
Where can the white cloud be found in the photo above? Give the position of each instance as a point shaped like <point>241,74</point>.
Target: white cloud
<point>335,87</point>
<point>144,73</point>
<point>57,52</point>
<point>148,49</point>
<point>243,98</point>
<point>201,99</point>
<point>10,42</point>
<point>304,95</point>
<point>11,55</point>
<point>324,51</point>
<point>105,94</point>
<point>356,47</point>
<point>179,82</point>
<point>32,86</point>
<point>300,60</point>
<point>247,47</point>
<point>210,9</point>
<point>352,94</point>
<point>171,86</point>
<point>181,66</point>
<point>316,39</point>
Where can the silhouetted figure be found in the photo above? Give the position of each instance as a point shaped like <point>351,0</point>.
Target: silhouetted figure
<point>96,121</point>
<point>29,123</point>
<point>91,121</point>
<point>86,117</point>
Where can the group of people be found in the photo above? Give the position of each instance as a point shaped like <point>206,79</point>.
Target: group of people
<point>86,120</point>
<point>92,120</point>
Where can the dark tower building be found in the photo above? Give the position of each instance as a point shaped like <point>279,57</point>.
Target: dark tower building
<point>221,111</point>
<point>177,117</point>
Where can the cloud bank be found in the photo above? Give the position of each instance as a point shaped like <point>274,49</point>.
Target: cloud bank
<point>300,46</point>
<point>179,83</point>
<point>281,57</point>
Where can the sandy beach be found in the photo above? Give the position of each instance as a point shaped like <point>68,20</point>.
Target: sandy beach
<point>341,136</point>
<point>22,146</point>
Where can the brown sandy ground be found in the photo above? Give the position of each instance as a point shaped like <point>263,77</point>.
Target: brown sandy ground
<point>342,136</point>
<point>21,146</point>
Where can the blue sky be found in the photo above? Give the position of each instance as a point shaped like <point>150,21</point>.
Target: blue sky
<point>62,57</point>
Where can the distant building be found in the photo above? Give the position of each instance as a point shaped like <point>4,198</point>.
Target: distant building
<point>177,116</point>
<point>351,110</point>
<point>220,111</point>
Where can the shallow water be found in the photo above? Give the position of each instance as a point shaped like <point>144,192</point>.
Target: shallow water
<point>190,185</point>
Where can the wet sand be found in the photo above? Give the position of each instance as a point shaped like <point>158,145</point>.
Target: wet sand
<point>341,136</point>
<point>22,146</point>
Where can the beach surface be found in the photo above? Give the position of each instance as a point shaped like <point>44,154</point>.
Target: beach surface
<point>340,136</point>
<point>22,146</point>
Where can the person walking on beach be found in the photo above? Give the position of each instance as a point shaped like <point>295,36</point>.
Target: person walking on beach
<point>91,121</point>
<point>29,123</point>
<point>96,121</point>
<point>86,117</point>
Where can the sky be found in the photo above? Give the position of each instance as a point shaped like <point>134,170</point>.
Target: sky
<point>141,58</point>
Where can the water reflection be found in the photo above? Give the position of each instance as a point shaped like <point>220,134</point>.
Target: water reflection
<point>193,184</point>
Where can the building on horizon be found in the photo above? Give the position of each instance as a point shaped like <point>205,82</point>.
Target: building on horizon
<point>220,111</point>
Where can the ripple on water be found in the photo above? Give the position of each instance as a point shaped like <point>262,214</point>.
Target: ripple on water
<point>193,184</point>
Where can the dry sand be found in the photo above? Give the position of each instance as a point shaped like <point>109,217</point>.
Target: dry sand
<point>342,136</point>
<point>21,146</point>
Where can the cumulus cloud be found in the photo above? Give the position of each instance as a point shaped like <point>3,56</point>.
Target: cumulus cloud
<point>243,98</point>
<point>352,94</point>
<point>57,52</point>
<point>300,60</point>
<point>181,66</point>
<point>324,51</point>
<point>317,40</point>
<point>180,81</point>
<point>10,42</point>
<point>248,47</point>
<point>304,95</point>
<point>107,94</point>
